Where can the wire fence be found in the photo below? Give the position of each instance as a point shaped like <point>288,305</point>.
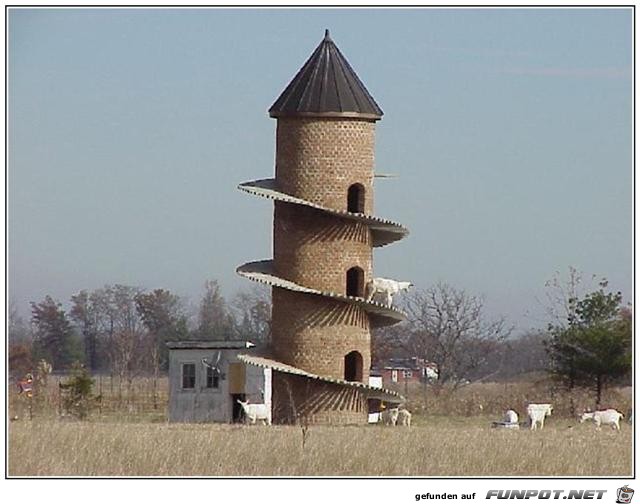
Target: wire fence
<point>111,395</point>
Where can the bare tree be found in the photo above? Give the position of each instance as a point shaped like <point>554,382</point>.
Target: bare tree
<point>20,344</point>
<point>252,312</point>
<point>18,330</point>
<point>519,355</point>
<point>105,320</point>
<point>386,343</point>
<point>562,294</point>
<point>85,314</point>
<point>162,314</point>
<point>447,326</point>
<point>127,337</point>
<point>214,319</point>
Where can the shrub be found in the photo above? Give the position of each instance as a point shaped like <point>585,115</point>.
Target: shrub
<point>77,392</point>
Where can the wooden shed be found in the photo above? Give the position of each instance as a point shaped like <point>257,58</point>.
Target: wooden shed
<point>206,379</point>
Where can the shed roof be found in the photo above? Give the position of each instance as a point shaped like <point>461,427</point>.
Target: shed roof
<point>326,85</point>
<point>208,345</point>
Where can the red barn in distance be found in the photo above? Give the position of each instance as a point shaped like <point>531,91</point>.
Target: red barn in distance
<point>406,370</point>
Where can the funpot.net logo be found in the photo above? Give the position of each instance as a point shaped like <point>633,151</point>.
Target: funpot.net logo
<point>546,494</point>
<point>624,495</point>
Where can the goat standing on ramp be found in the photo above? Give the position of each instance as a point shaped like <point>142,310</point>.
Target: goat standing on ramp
<point>385,286</point>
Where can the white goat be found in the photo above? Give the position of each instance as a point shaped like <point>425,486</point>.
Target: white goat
<point>510,421</point>
<point>510,417</point>
<point>404,417</point>
<point>390,416</point>
<point>537,412</point>
<point>385,286</point>
<point>606,417</point>
<point>255,412</point>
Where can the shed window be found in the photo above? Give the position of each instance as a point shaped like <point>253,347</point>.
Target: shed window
<point>407,374</point>
<point>353,366</point>
<point>213,378</point>
<point>355,198</point>
<point>188,376</point>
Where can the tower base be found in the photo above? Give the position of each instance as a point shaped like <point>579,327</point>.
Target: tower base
<point>298,400</point>
<point>302,398</point>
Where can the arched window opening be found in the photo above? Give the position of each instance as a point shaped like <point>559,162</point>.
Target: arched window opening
<point>353,366</point>
<point>355,282</point>
<point>355,198</point>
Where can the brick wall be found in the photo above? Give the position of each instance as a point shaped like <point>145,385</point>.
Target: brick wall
<point>318,159</point>
<point>301,400</point>
<point>315,333</point>
<point>314,249</point>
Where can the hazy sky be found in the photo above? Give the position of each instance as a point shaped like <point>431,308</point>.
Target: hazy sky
<point>510,130</point>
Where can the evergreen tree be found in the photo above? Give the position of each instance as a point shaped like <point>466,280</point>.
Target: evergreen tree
<point>77,392</point>
<point>593,347</point>
<point>53,336</point>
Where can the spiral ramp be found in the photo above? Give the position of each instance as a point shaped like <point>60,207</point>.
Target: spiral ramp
<point>383,232</point>
<point>324,142</point>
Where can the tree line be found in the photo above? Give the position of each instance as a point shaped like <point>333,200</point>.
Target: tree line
<point>122,330</point>
<point>587,342</point>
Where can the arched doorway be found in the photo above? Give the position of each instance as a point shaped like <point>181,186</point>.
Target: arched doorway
<point>355,198</point>
<point>355,282</point>
<point>353,366</point>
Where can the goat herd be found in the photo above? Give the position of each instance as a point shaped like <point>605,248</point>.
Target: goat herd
<point>400,416</point>
<point>538,412</point>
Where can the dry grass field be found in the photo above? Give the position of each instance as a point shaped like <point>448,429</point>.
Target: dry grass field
<point>435,447</point>
<point>451,436</point>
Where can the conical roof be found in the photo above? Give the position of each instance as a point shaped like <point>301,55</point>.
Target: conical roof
<point>326,85</point>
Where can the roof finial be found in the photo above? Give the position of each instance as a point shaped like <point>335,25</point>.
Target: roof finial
<point>326,34</point>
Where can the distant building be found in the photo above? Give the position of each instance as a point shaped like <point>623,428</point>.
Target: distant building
<point>206,379</point>
<point>374,404</point>
<point>407,370</point>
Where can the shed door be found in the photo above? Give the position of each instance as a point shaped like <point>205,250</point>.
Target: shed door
<point>236,378</point>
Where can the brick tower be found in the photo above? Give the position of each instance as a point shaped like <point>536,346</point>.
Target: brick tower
<point>324,233</point>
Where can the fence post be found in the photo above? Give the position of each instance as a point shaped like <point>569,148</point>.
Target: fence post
<point>155,391</point>
<point>59,398</point>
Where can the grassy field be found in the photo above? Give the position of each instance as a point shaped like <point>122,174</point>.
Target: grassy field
<point>438,446</point>
<point>127,435</point>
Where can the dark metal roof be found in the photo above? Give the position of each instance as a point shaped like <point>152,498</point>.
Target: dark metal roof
<point>206,344</point>
<point>326,85</point>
